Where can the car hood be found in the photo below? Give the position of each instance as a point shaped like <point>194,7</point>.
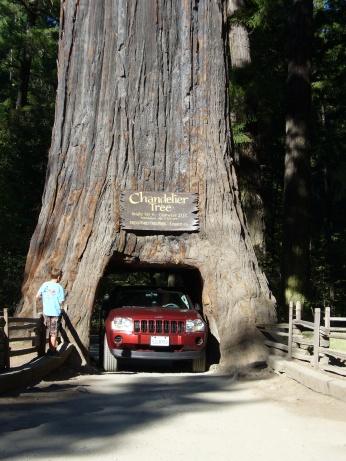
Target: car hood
<point>154,313</point>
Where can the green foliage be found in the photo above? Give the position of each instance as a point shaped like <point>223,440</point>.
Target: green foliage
<point>239,135</point>
<point>24,131</point>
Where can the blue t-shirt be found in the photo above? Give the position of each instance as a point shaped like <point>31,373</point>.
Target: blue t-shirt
<point>52,294</point>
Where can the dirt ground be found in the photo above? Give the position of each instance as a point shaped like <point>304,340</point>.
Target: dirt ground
<point>299,399</point>
<point>164,415</point>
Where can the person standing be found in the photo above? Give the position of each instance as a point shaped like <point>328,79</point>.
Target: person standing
<point>53,296</point>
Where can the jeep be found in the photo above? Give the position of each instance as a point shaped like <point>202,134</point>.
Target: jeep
<point>153,324</point>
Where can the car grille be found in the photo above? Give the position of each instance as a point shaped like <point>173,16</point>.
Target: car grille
<point>159,326</point>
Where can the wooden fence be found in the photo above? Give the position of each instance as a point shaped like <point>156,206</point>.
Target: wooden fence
<point>14,331</point>
<point>308,341</point>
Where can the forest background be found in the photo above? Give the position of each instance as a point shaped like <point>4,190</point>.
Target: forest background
<point>29,32</point>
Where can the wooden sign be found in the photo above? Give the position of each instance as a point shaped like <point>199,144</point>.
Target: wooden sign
<point>159,211</point>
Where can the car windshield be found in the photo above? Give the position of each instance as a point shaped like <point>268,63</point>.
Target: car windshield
<point>152,298</point>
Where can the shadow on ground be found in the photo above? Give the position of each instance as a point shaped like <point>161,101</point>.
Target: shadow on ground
<point>58,419</point>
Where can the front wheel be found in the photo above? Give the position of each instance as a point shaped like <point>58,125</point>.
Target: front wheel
<point>110,363</point>
<point>199,365</point>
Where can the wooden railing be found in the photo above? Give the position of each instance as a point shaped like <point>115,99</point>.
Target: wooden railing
<point>308,341</point>
<point>30,332</point>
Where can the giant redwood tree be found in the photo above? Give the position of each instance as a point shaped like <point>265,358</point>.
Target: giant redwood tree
<point>142,104</point>
<point>296,229</point>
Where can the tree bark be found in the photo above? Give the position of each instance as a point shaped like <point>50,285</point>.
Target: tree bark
<point>142,104</point>
<point>296,241</point>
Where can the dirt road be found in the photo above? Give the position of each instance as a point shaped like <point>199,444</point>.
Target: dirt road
<point>167,416</point>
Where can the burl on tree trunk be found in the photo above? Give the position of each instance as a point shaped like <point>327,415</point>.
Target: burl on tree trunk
<point>142,104</point>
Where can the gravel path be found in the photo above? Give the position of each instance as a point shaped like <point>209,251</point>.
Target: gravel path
<point>166,416</point>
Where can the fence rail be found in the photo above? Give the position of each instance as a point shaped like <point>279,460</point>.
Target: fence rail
<point>308,341</point>
<point>29,332</point>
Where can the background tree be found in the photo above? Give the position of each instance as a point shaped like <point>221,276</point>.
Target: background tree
<point>258,100</point>
<point>28,44</point>
<point>267,23</point>
<point>245,149</point>
<point>297,202</point>
<point>328,154</point>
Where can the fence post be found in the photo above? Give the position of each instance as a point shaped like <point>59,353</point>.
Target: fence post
<point>290,330</point>
<point>4,341</point>
<point>41,331</point>
<point>317,321</point>
<point>6,321</point>
<point>7,338</point>
<point>327,317</point>
<point>298,310</point>
<point>2,345</point>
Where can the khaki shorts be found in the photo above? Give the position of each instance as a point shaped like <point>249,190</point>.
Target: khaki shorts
<point>52,324</point>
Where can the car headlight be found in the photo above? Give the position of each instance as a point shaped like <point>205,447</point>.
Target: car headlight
<point>122,324</point>
<point>193,326</point>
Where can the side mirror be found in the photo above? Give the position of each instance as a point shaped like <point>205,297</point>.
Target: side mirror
<point>106,297</point>
<point>197,307</point>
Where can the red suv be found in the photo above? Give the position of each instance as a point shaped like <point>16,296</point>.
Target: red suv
<point>155,324</point>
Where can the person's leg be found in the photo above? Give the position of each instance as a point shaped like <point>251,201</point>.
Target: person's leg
<point>47,322</point>
<point>52,342</point>
<point>53,333</point>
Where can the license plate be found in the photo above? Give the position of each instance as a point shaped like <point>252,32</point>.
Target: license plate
<point>159,341</point>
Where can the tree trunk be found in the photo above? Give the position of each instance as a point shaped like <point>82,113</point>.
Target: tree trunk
<point>239,42</point>
<point>142,105</point>
<point>296,242</point>
<point>24,79</point>
<point>249,165</point>
<point>26,59</point>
